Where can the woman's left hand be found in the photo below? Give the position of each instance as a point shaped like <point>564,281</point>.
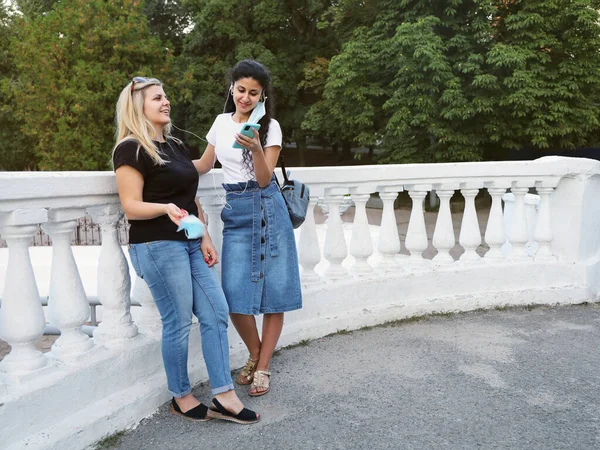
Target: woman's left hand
<point>252,144</point>
<point>209,251</point>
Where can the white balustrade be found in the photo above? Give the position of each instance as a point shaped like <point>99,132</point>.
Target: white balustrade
<point>519,236</point>
<point>389,240</point>
<point>147,316</point>
<point>335,250</point>
<point>361,245</point>
<point>495,236</point>
<point>309,251</point>
<point>470,235</point>
<point>543,229</point>
<point>532,203</point>
<point>443,236</point>
<point>213,205</point>
<point>114,283</point>
<point>22,320</point>
<point>68,307</point>
<point>416,236</point>
<point>564,269</point>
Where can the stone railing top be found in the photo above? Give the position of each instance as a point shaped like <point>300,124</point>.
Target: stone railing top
<point>547,170</point>
<point>80,189</point>
<point>55,189</point>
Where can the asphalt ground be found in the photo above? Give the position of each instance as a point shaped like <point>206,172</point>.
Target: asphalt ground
<point>524,378</point>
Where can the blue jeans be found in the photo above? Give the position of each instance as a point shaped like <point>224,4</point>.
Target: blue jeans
<point>181,284</point>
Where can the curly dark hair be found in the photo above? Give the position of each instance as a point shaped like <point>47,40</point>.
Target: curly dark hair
<point>248,68</point>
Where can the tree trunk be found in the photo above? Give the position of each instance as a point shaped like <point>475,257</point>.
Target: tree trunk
<point>346,151</point>
<point>301,147</point>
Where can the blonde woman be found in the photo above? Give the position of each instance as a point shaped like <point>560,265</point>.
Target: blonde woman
<point>157,185</point>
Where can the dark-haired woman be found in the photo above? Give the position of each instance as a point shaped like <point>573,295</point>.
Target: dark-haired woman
<point>260,264</point>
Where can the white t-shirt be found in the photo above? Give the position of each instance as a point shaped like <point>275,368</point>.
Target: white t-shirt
<point>222,136</point>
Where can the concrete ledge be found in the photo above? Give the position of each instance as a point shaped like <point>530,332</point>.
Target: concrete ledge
<point>110,390</point>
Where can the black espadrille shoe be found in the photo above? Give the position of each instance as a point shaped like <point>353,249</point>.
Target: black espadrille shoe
<point>245,416</point>
<point>197,414</point>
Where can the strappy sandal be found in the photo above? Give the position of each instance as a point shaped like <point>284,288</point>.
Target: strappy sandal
<point>247,374</point>
<point>262,378</point>
<point>245,416</point>
<point>197,414</point>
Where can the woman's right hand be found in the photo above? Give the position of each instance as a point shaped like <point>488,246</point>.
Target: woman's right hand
<point>174,213</point>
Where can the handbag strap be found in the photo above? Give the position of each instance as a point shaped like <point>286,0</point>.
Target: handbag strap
<point>286,180</point>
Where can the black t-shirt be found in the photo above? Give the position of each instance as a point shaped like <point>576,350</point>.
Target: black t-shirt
<point>174,182</point>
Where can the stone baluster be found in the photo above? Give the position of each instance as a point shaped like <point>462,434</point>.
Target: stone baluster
<point>519,236</point>
<point>470,234</point>
<point>495,236</point>
<point>114,284</point>
<point>147,316</point>
<point>22,321</point>
<point>543,229</point>
<point>335,250</point>
<point>361,245</point>
<point>212,205</point>
<point>416,236</point>
<point>388,244</point>
<point>443,236</point>
<point>309,251</point>
<point>68,307</point>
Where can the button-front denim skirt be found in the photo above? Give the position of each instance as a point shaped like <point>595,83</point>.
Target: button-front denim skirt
<point>260,263</point>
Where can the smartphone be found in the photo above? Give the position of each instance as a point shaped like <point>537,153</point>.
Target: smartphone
<point>247,131</point>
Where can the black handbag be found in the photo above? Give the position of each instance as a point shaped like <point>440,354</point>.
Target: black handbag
<point>296,196</point>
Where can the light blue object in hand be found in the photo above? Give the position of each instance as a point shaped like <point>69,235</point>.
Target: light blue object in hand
<point>194,229</point>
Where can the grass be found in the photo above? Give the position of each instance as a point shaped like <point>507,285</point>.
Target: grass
<point>302,343</point>
<point>110,441</point>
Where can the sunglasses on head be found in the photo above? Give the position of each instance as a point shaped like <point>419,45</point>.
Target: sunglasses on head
<point>139,80</point>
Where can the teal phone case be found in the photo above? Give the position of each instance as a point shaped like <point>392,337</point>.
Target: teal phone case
<point>247,131</point>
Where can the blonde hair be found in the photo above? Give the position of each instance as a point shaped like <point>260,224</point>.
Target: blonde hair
<point>133,124</point>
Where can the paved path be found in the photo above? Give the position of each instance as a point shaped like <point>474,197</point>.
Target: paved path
<point>513,379</point>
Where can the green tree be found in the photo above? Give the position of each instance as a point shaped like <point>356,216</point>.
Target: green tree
<point>545,68</point>
<point>17,153</point>
<point>405,81</point>
<point>33,8</point>
<point>72,64</point>
<point>349,110</point>
<point>168,20</point>
<point>350,107</point>
<point>285,36</point>
<point>439,100</point>
<point>450,80</point>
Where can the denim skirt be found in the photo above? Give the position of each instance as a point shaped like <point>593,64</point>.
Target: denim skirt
<point>260,263</point>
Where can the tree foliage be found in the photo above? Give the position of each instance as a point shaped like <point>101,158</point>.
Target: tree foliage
<point>18,149</point>
<point>545,70</point>
<point>72,63</point>
<point>285,36</point>
<point>444,81</point>
<point>168,20</point>
<point>425,81</point>
<point>34,8</point>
